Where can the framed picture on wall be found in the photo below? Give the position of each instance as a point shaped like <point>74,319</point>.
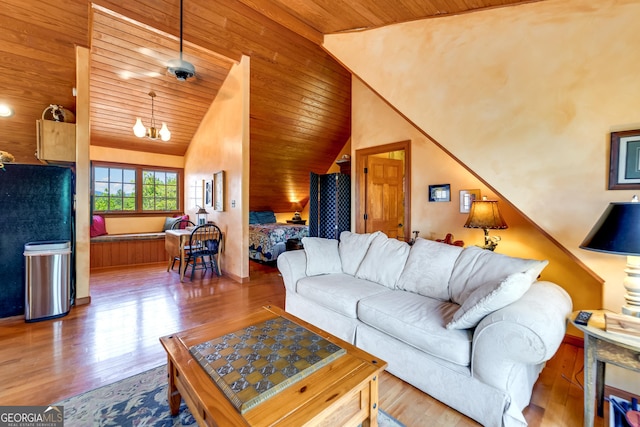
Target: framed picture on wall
<point>466,198</point>
<point>440,193</point>
<point>624,161</point>
<point>208,194</point>
<point>218,191</point>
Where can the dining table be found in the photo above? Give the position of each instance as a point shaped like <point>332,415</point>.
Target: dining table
<point>175,242</point>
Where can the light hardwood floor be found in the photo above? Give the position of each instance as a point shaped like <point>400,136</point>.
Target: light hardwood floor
<point>116,336</point>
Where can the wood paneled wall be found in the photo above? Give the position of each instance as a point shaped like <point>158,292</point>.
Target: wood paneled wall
<point>127,252</point>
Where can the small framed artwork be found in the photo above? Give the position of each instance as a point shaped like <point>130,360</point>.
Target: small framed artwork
<point>208,194</point>
<point>218,191</point>
<point>440,193</point>
<point>624,162</point>
<point>466,198</point>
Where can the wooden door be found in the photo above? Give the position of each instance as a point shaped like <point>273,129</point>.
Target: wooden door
<point>385,193</point>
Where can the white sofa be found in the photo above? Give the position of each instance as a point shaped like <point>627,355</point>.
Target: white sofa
<point>470,327</point>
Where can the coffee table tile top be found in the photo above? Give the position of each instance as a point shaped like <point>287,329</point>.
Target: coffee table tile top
<point>254,363</point>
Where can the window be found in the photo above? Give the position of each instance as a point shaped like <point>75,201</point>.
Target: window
<point>159,191</point>
<point>134,189</point>
<point>114,189</point>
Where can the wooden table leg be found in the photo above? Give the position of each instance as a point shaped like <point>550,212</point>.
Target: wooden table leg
<point>182,270</point>
<point>173,395</point>
<point>600,368</point>
<point>590,368</point>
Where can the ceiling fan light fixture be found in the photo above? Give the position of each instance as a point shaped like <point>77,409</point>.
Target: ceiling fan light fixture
<point>151,132</point>
<point>181,69</point>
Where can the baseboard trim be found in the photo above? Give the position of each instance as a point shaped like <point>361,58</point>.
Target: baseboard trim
<point>83,301</point>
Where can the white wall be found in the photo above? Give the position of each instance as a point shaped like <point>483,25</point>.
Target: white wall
<point>526,98</point>
<point>222,143</point>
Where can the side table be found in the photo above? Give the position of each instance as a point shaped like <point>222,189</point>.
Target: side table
<point>602,347</point>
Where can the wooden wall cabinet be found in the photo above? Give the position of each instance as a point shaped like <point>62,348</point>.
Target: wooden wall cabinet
<point>56,141</point>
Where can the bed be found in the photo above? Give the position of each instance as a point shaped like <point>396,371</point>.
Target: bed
<point>268,238</point>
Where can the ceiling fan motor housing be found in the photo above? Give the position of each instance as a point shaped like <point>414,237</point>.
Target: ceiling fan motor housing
<point>181,69</point>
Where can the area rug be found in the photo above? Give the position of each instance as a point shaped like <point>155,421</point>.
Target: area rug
<point>140,400</point>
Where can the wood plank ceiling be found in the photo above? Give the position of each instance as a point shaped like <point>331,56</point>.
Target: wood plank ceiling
<point>300,97</point>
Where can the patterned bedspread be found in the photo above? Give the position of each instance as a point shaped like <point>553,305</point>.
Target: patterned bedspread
<point>267,241</point>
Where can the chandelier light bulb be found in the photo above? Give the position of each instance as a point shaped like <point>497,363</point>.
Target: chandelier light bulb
<point>165,134</point>
<point>138,129</point>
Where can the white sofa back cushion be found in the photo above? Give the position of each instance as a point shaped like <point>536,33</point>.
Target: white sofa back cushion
<point>384,261</point>
<point>491,297</point>
<point>322,256</point>
<point>429,268</point>
<point>476,266</point>
<point>352,248</point>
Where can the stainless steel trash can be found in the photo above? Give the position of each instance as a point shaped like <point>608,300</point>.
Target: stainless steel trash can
<point>47,279</point>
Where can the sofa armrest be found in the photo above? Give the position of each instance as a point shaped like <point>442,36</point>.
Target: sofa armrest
<point>293,267</point>
<point>526,332</point>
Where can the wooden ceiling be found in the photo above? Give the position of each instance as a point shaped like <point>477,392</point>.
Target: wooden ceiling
<point>300,97</point>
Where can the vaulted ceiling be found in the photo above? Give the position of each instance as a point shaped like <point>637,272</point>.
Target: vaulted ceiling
<point>300,96</point>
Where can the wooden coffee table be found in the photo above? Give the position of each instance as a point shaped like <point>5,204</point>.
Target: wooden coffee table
<point>344,392</point>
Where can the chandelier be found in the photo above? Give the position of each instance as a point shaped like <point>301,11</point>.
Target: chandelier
<point>151,132</point>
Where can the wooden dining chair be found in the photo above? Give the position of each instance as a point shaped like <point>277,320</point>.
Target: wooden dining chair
<point>178,225</point>
<point>205,245</point>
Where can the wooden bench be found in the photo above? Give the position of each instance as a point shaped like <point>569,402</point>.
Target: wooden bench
<point>113,250</point>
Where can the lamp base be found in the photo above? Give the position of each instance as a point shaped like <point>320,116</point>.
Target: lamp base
<point>490,242</point>
<point>631,311</point>
<point>632,286</point>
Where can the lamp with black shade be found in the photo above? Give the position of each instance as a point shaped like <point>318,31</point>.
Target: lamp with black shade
<point>618,232</point>
<point>486,215</point>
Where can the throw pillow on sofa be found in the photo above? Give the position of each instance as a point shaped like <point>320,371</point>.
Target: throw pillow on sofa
<point>322,256</point>
<point>429,268</point>
<point>384,261</point>
<point>476,266</point>
<point>352,248</point>
<point>491,297</point>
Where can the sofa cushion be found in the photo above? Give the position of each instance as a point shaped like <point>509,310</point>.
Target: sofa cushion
<point>476,266</point>
<point>322,256</point>
<point>429,268</point>
<point>490,297</point>
<point>419,321</point>
<point>384,261</point>
<point>353,247</point>
<point>338,292</point>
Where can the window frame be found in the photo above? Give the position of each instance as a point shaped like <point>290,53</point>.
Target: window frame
<point>139,169</point>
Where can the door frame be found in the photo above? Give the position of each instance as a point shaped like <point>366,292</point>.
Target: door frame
<point>361,183</point>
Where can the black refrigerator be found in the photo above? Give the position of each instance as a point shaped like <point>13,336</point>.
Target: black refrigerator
<point>36,205</point>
